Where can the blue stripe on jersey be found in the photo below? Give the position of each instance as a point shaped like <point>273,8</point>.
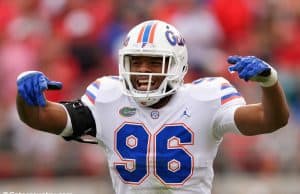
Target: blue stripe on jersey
<point>230,95</point>
<point>225,86</point>
<point>211,79</point>
<point>198,81</point>
<point>96,85</point>
<point>90,94</point>
<point>115,77</point>
<point>147,32</point>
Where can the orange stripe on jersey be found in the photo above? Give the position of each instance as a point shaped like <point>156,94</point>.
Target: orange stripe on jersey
<point>152,33</point>
<point>141,34</point>
<point>90,98</point>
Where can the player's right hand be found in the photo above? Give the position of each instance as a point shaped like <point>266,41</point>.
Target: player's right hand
<point>254,69</point>
<point>31,86</point>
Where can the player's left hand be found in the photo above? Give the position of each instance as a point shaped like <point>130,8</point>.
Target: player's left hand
<point>254,69</point>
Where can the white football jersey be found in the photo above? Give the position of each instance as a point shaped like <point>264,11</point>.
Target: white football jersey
<point>168,150</point>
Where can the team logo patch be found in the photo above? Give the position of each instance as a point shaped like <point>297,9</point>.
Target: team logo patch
<point>127,111</point>
<point>155,114</point>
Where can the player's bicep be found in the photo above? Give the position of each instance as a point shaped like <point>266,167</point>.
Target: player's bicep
<point>250,119</point>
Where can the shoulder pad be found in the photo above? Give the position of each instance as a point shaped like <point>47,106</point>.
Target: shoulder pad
<point>110,89</point>
<point>206,89</point>
<point>210,80</point>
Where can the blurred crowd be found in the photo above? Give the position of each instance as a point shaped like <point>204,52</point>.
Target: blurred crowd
<point>76,41</point>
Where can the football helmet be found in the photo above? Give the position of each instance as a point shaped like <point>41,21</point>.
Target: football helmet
<point>154,38</point>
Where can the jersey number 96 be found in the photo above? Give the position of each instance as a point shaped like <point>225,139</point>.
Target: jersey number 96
<point>172,162</point>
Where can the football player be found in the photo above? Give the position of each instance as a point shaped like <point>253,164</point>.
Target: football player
<point>159,134</point>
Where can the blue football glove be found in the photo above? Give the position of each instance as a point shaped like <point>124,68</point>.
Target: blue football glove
<point>254,69</point>
<point>31,86</point>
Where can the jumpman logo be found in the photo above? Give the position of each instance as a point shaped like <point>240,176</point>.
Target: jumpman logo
<point>186,113</point>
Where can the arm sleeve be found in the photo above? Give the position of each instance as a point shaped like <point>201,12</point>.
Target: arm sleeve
<point>89,99</point>
<point>68,130</point>
<point>80,121</point>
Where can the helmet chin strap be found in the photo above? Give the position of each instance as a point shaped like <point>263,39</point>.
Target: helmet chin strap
<point>149,101</point>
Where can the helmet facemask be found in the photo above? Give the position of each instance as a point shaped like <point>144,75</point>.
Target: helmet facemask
<point>173,65</point>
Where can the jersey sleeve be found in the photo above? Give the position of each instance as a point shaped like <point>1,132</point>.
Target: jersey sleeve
<point>89,97</point>
<point>102,92</point>
<point>230,100</point>
<point>89,100</point>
